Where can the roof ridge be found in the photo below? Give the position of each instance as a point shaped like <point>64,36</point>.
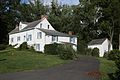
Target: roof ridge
<point>55,33</point>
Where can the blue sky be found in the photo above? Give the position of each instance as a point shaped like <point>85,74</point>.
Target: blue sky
<point>70,2</point>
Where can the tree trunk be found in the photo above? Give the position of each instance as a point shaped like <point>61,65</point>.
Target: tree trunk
<point>110,42</point>
<point>119,41</point>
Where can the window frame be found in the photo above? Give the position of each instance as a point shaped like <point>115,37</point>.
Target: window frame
<point>72,39</point>
<point>40,25</point>
<point>12,40</point>
<point>48,26</point>
<point>18,38</point>
<point>54,38</point>
<point>39,35</point>
<point>29,37</point>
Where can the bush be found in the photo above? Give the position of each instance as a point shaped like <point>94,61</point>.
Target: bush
<point>113,55</point>
<point>116,75</point>
<point>106,55</point>
<point>31,48</point>
<point>66,52</point>
<point>9,47</point>
<point>23,46</point>
<point>88,51</point>
<point>95,52</point>
<point>51,49</point>
<point>2,46</point>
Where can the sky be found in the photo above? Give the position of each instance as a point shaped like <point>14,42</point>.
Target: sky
<point>69,2</point>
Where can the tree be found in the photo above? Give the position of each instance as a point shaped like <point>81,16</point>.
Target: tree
<point>8,18</point>
<point>86,14</point>
<point>110,17</point>
<point>32,11</point>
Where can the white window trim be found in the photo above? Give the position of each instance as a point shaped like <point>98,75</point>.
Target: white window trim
<point>72,39</point>
<point>39,35</point>
<point>54,38</point>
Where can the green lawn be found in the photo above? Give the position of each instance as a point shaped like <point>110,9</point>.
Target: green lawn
<point>106,67</point>
<point>14,61</point>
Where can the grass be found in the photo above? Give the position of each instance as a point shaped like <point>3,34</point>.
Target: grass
<point>14,61</point>
<point>106,67</point>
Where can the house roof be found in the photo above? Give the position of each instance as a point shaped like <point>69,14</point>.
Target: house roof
<point>25,22</point>
<point>16,30</point>
<point>55,33</point>
<point>28,27</point>
<point>96,41</point>
<point>32,25</point>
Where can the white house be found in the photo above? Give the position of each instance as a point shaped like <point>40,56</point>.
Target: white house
<point>101,44</point>
<point>39,33</point>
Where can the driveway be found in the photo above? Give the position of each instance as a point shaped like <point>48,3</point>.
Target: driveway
<point>85,68</point>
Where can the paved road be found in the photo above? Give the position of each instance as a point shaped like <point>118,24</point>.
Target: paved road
<point>85,68</point>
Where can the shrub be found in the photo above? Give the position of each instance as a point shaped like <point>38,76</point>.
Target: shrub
<point>23,46</point>
<point>106,55</point>
<point>113,54</point>
<point>116,75</point>
<point>95,52</point>
<point>31,48</point>
<point>88,51</point>
<point>2,46</point>
<point>9,47</point>
<point>51,49</point>
<point>66,52</point>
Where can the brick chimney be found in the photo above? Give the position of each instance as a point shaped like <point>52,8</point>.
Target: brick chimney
<point>17,26</point>
<point>44,16</point>
<point>70,32</point>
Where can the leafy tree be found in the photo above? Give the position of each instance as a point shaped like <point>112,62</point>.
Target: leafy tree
<point>109,21</point>
<point>85,20</point>
<point>8,18</point>
<point>32,11</point>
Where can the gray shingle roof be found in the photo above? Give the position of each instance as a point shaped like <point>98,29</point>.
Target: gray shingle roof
<point>96,41</point>
<point>16,30</point>
<point>55,33</point>
<point>48,32</point>
<point>29,27</point>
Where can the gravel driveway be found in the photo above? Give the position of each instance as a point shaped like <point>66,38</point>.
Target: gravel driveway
<point>85,68</point>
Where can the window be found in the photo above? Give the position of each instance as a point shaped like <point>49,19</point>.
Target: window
<point>18,38</point>
<point>12,40</point>
<point>29,38</point>
<point>41,25</point>
<point>72,40</point>
<point>54,38</point>
<point>20,27</point>
<point>48,26</point>
<point>38,47</point>
<point>24,38</point>
<point>39,35</point>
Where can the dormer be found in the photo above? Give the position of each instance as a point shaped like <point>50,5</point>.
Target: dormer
<point>22,25</point>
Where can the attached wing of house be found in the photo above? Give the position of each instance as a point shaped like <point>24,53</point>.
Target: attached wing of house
<point>37,34</point>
